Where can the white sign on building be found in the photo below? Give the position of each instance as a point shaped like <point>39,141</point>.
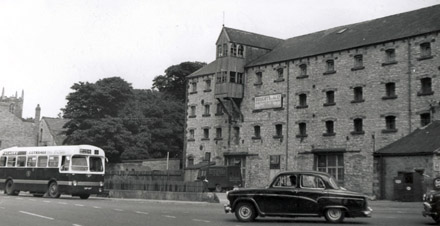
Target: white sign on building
<point>268,101</point>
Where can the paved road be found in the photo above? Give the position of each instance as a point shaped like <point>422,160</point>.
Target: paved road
<point>26,210</point>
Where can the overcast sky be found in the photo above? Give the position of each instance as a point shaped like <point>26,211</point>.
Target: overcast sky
<point>47,46</point>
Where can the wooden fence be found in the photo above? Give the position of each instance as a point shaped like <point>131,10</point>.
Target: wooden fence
<point>151,181</point>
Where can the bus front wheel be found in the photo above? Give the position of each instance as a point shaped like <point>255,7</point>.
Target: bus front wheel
<point>10,188</point>
<point>53,190</point>
<point>84,196</point>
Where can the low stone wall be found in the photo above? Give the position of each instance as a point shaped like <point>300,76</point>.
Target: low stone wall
<point>157,195</point>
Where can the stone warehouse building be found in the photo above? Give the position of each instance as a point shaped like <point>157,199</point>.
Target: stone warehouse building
<point>323,101</point>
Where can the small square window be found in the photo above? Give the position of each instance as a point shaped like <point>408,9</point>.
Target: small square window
<point>390,122</point>
<point>330,98</point>
<point>390,56</point>
<point>330,67</point>
<point>257,132</point>
<point>278,131</point>
<point>205,134</point>
<point>358,126</point>
<point>259,78</point>
<point>425,119</point>
<point>302,127</point>
<point>194,87</point>
<point>280,73</point>
<point>275,162</point>
<point>425,49</point>
<point>207,110</point>
<point>390,89</point>
<point>358,62</point>
<point>218,133</point>
<point>358,94</point>
<point>303,69</point>
<point>426,87</point>
<point>191,134</point>
<point>302,100</point>
<point>207,85</point>
<point>330,130</point>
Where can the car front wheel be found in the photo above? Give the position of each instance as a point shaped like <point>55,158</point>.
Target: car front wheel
<point>334,215</point>
<point>245,212</point>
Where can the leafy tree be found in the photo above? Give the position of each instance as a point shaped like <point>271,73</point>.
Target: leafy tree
<point>173,82</point>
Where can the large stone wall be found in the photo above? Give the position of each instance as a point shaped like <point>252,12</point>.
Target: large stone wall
<point>15,131</point>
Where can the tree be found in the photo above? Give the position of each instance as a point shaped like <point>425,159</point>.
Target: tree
<point>93,110</point>
<point>173,82</point>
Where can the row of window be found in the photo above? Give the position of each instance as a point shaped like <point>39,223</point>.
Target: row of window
<point>332,164</point>
<point>207,110</point>
<point>358,93</point>
<point>79,163</point>
<point>390,58</point>
<point>358,128</point>
<point>230,49</point>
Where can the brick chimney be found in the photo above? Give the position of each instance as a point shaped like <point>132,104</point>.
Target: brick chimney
<point>37,113</point>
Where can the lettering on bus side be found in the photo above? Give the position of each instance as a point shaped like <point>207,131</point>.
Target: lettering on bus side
<point>14,153</point>
<point>85,151</point>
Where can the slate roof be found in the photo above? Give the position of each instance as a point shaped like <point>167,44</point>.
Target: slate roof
<point>56,129</point>
<point>211,68</point>
<point>370,32</point>
<point>423,141</point>
<point>252,39</point>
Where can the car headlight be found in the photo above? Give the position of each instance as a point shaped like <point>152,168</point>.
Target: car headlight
<point>431,197</point>
<point>75,183</point>
<point>424,197</point>
<point>101,183</point>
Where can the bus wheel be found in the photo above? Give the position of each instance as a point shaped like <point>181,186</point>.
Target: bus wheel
<point>53,190</point>
<point>9,188</point>
<point>218,188</point>
<point>84,196</point>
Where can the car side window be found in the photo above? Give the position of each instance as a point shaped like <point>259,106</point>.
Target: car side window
<point>285,181</point>
<point>308,181</point>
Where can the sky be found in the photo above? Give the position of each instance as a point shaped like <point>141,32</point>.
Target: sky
<point>47,46</point>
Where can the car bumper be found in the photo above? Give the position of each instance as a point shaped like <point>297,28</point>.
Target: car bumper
<point>227,208</point>
<point>427,210</point>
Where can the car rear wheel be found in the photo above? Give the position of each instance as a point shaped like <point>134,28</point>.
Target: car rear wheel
<point>334,215</point>
<point>436,219</point>
<point>245,212</point>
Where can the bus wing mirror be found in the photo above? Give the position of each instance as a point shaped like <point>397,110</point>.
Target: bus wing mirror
<point>106,159</point>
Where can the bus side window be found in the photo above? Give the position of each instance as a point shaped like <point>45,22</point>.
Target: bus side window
<point>42,161</point>
<point>53,161</point>
<point>65,162</point>
<point>21,161</point>
<point>3,161</point>
<point>32,161</point>
<point>11,161</point>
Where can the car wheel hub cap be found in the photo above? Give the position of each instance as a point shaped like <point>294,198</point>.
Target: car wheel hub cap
<point>334,214</point>
<point>245,212</point>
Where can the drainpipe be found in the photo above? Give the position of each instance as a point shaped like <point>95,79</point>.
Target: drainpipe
<point>287,117</point>
<point>409,86</point>
<point>185,125</point>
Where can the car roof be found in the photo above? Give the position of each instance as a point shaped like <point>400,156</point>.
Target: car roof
<point>305,172</point>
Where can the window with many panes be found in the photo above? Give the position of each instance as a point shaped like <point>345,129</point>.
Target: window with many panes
<point>207,85</point>
<point>390,90</point>
<point>274,162</point>
<point>358,62</point>
<point>219,50</point>
<point>232,77</point>
<point>329,128</point>
<point>302,129</point>
<point>218,133</point>
<point>303,70</point>
<point>358,125</point>
<point>390,56</point>
<point>257,132</point>
<point>225,49</point>
<point>330,67</point>
<point>425,119</point>
<point>425,50</point>
<point>358,94</point>
<point>233,49</point>
<point>278,131</point>
<point>192,113</point>
<point>390,124</point>
<point>332,164</point>
<point>330,98</point>
<point>205,134</point>
<point>425,87</point>
<point>258,78</point>
<point>302,100</point>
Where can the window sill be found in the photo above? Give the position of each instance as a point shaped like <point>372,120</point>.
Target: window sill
<point>218,138</point>
<point>278,109</point>
<point>256,111</point>
<point>425,93</point>
<point>194,92</point>
<point>192,116</point>
<point>329,134</point>
<point>278,137</point>
<point>191,139</point>
<point>357,101</point>
<point>206,115</point>
<point>357,132</point>
<point>258,84</point>
<point>219,114</point>
<point>329,72</point>
<point>357,68</point>
<point>389,131</point>
<point>389,97</point>
<point>329,104</point>
<point>425,58</point>
<point>256,138</point>
<point>279,80</point>
<point>207,90</point>
<point>389,63</point>
<point>302,136</point>
<point>203,139</point>
<point>301,107</point>
<point>302,76</point>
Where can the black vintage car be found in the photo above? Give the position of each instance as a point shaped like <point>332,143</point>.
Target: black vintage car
<point>298,194</point>
<point>431,201</point>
